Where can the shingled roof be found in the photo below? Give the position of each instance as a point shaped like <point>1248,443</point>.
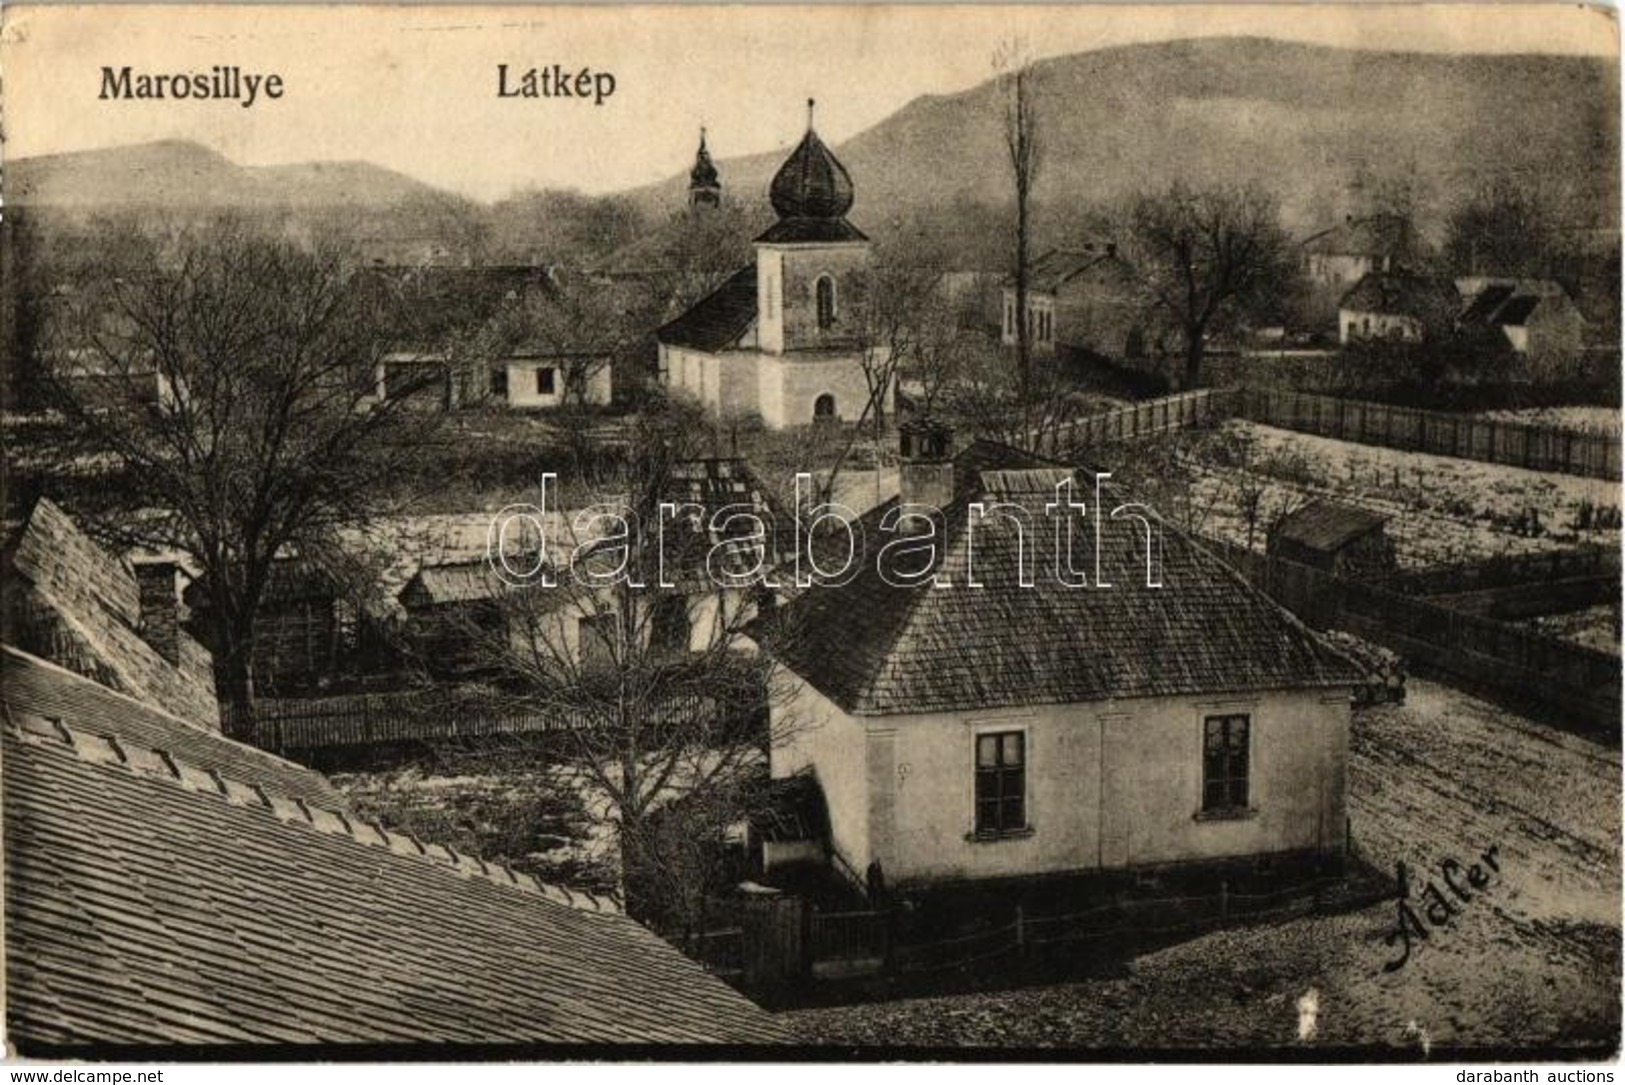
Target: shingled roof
<point>167,888</point>
<point>69,600</point>
<point>1373,235</point>
<point>720,487</point>
<point>877,649</point>
<point>1327,525</point>
<point>1057,267</point>
<point>717,320</point>
<point>1403,293</point>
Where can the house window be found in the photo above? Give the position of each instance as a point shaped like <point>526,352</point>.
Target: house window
<point>546,380</point>
<point>825,290</point>
<point>1001,782</point>
<point>599,640</point>
<point>824,408</point>
<point>1224,762</point>
<point>669,626</point>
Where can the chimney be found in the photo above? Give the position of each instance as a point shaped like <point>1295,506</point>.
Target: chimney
<point>160,607</point>
<point>927,468</point>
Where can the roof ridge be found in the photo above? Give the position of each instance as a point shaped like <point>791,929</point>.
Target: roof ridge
<point>159,764</point>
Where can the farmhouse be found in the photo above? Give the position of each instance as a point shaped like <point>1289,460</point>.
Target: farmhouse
<point>1347,253</point>
<point>1084,300</point>
<point>969,733</point>
<point>1400,307</point>
<point>440,303</point>
<point>784,338</point>
<point>1336,538</point>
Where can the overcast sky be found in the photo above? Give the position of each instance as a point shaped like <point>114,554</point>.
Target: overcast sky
<point>416,89</point>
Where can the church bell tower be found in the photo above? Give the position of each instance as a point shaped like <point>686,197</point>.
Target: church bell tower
<point>812,266</point>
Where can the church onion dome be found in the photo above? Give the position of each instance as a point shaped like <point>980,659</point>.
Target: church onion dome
<point>704,173</point>
<point>812,183</point>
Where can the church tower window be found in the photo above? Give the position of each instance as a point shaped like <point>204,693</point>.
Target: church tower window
<point>824,291</point>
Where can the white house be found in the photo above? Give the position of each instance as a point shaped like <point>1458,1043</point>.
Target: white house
<point>961,733</point>
<point>784,337</point>
<point>1397,307</point>
<point>1347,253</point>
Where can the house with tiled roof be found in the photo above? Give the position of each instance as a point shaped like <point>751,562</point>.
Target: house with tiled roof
<point>170,888</point>
<point>1536,317</point>
<point>784,339</point>
<point>1398,307</point>
<point>1083,300</point>
<point>1008,686</point>
<point>1358,246</point>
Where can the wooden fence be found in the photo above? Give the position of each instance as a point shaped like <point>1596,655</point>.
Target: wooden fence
<point>1510,570</point>
<point>1517,444</point>
<point>376,719</point>
<point>783,944</point>
<point>1539,448</point>
<point>1508,658</point>
<point>1182,411</point>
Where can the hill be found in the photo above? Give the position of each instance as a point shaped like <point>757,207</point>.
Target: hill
<point>1312,123</point>
<point>182,174</point>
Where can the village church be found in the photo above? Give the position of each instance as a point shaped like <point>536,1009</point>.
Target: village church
<point>783,337</point>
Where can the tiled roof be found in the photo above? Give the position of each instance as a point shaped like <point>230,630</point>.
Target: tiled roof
<point>1404,294</point>
<point>1375,235</point>
<point>878,649</point>
<point>458,582</point>
<point>1327,525</point>
<point>717,320</point>
<point>69,600</point>
<point>1056,267</point>
<point>1517,310</point>
<point>1487,301</point>
<point>152,904</point>
<point>728,484</point>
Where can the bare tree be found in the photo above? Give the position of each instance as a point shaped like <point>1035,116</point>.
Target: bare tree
<point>230,376</point>
<point>1209,257</point>
<point>1503,229</point>
<point>1023,144</point>
<point>636,647</point>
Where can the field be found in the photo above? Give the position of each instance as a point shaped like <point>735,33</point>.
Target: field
<point>1578,419</point>
<point>1531,962</point>
<point>1441,510</point>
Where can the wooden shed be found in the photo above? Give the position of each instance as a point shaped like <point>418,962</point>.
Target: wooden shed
<point>1336,538</point>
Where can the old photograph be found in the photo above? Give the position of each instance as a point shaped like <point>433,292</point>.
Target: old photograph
<point>1081,533</point>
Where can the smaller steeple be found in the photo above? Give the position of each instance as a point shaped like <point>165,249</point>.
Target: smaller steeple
<point>704,185</point>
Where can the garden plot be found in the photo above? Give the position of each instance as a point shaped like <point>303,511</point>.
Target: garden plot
<point>1442,510</point>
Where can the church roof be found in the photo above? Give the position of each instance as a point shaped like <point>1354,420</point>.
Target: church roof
<point>812,183</point>
<point>792,231</point>
<point>704,173</point>
<point>717,320</point>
